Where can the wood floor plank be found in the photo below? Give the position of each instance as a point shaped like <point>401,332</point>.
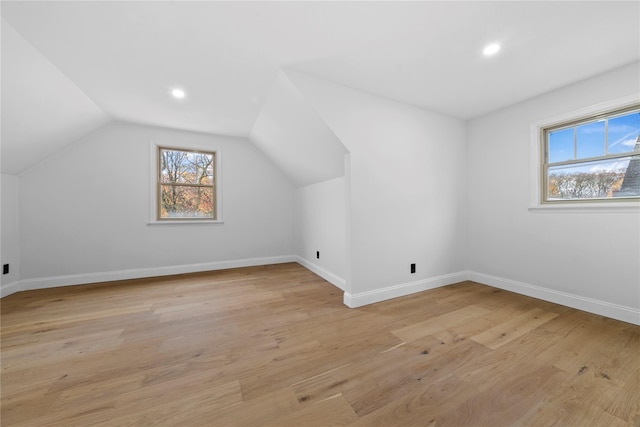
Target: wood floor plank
<point>514,328</point>
<point>198,407</point>
<point>436,324</point>
<point>261,410</point>
<point>332,411</point>
<point>504,403</point>
<point>570,414</point>
<point>275,346</point>
<point>406,376</point>
<point>421,407</point>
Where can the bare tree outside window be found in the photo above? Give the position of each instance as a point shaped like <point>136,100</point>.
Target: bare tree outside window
<point>186,184</point>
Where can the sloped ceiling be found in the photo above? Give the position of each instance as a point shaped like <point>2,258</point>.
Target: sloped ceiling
<point>120,59</point>
<point>296,138</point>
<point>42,110</point>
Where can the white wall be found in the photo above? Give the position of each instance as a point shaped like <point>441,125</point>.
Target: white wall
<point>320,223</point>
<point>84,212</point>
<point>9,234</point>
<point>590,256</point>
<point>407,190</point>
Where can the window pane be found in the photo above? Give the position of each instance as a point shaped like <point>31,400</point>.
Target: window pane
<point>590,140</point>
<point>600,179</point>
<point>561,145</point>
<point>624,133</point>
<point>186,202</point>
<point>186,167</point>
<point>204,168</point>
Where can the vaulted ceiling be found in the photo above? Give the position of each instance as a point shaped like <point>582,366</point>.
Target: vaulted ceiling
<point>69,67</point>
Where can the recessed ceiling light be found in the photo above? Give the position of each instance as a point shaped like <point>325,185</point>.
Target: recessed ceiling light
<point>491,49</point>
<point>178,93</point>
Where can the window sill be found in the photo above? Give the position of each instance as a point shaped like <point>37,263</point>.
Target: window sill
<point>609,207</point>
<point>187,222</point>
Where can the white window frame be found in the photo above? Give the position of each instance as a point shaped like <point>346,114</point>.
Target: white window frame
<point>154,152</point>
<point>537,156</point>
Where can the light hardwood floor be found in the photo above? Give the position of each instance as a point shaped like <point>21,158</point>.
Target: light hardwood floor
<point>275,346</point>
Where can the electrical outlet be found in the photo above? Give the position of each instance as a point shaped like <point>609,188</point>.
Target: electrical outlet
<point>413,268</point>
<point>318,254</point>
<point>5,269</point>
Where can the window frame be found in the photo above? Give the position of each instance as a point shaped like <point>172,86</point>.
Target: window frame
<point>573,124</point>
<point>155,183</point>
<point>539,163</point>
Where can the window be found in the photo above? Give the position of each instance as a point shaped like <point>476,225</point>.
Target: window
<point>186,184</point>
<point>595,158</point>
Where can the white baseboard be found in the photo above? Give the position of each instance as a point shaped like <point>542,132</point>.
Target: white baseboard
<point>395,291</point>
<point>325,274</point>
<point>139,273</point>
<point>10,288</point>
<point>603,308</point>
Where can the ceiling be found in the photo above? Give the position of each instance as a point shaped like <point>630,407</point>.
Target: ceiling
<point>119,60</point>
